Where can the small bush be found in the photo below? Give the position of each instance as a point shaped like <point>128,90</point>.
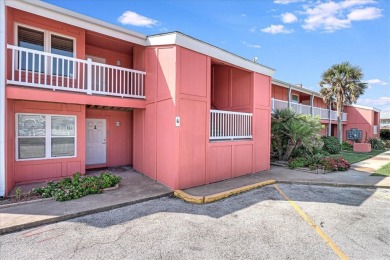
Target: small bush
<point>346,146</point>
<point>376,143</point>
<point>385,134</point>
<point>77,186</point>
<point>335,164</point>
<point>331,144</point>
<point>297,162</point>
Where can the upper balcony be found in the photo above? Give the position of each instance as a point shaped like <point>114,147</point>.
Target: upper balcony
<point>307,110</point>
<point>39,69</point>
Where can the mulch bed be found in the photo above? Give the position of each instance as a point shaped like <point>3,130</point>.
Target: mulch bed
<point>23,198</point>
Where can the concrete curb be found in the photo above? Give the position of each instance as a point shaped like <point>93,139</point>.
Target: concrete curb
<point>56,219</point>
<point>330,184</point>
<point>218,196</point>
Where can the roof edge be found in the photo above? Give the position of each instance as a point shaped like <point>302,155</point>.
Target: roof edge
<point>200,46</point>
<point>76,19</point>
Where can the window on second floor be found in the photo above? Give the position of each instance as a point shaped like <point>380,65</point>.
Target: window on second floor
<point>48,42</point>
<point>294,98</point>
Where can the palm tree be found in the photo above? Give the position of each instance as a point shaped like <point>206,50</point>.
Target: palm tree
<point>342,84</point>
<point>290,131</point>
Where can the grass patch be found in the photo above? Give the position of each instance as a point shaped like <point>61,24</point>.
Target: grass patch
<point>383,171</point>
<point>353,157</point>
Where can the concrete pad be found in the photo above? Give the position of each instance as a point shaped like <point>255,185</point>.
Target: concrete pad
<point>134,188</point>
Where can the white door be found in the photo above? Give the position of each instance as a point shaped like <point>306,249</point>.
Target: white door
<point>95,141</point>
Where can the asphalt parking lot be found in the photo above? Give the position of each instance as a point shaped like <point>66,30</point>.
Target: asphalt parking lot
<point>278,221</point>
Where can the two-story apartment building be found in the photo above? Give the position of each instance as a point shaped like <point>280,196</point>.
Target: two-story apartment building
<point>305,101</point>
<point>79,93</point>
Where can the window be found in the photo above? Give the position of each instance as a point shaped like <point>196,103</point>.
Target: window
<point>48,42</point>
<point>294,98</point>
<point>34,40</point>
<point>45,136</point>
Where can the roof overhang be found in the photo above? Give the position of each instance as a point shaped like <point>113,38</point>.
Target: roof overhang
<point>368,108</point>
<point>177,38</point>
<point>292,86</point>
<point>66,16</point>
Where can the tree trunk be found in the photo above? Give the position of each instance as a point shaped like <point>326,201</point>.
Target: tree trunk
<point>339,123</point>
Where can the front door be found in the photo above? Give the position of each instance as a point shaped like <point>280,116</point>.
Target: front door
<point>95,141</point>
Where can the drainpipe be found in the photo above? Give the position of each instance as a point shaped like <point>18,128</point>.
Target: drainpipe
<point>312,105</point>
<point>289,97</point>
<point>330,121</point>
<point>2,98</point>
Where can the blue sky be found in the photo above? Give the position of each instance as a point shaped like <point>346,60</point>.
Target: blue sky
<point>300,39</point>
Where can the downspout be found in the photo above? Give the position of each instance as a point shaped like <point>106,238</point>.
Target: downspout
<point>330,121</point>
<point>2,97</point>
<point>312,105</point>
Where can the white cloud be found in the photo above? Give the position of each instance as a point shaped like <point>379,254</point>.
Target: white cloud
<point>382,101</point>
<point>376,82</point>
<point>369,13</point>
<point>331,16</point>
<point>276,29</point>
<point>256,46</point>
<point>132,18</point>
<point>286,2</point>
<point>289,18</point>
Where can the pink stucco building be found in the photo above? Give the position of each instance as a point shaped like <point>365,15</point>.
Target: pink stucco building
<point>78,93</point>
<point>81,93</point>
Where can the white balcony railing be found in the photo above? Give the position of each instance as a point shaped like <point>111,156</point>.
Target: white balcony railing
<point>305,109</point>
<point>228,125</point>
<point>51,71</point>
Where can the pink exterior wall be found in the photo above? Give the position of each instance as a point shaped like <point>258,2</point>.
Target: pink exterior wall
<point>183,156</point>
<point>119,138</point>
<point>279,92</point>
<point>160,142</point>
<point>110,56</point>
<point>363,119</point>
<point>47,169</point>
<point>231,89</point>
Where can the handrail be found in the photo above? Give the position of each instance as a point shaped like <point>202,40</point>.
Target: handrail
<point>52,71</point>
<point>230,125</point>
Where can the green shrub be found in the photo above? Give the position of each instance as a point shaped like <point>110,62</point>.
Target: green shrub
<point>331,144</point>
<point>77,186</point>
<point>297,162</point>
<point>346,146</point>
<point>376,143</point>
<point>385,134</point>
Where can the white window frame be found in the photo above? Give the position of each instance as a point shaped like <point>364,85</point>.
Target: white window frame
<point>46,43</point>
<point>295,101</point>
<point>48,137</point>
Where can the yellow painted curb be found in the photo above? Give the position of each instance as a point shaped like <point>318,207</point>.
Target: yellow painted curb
<point>218,196</point>
<point>225,194</point>
<point>188,198</point>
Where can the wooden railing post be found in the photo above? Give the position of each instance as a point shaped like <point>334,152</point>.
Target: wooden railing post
<point>89,76</point>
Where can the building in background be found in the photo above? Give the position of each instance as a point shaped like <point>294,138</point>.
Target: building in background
<point>385,120</point>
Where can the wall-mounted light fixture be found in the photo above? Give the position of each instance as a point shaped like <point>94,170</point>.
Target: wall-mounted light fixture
<point>118,123</point>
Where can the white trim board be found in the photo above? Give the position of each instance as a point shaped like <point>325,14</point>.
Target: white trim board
<point>176,38</point>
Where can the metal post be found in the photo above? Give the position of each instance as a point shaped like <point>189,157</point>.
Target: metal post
<point>330,121</point>
<point>2,97</point>
<point>312,105</point>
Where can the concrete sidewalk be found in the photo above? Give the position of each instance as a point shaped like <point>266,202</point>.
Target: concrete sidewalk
<point>136,188</point>
<point>372,164</point>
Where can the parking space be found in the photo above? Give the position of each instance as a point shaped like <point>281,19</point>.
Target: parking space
<point>260,224</point>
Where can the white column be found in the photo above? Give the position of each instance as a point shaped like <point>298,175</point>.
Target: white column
<point>289,97</point>
<point>312,105</point>
<point>330,121</point>
<point>2,97</point>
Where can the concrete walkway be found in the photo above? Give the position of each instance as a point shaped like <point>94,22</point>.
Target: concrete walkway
<point>136,188</point>
<point>372,164</point>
